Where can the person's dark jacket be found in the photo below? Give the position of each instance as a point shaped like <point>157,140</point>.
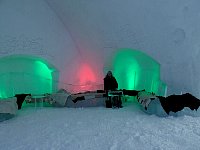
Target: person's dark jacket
<point>110,83</point>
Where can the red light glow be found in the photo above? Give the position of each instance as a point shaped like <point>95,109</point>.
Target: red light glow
<point>86,75</point>
<point>87,79</point>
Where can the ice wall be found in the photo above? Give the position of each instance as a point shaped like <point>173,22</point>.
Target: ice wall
<point>134,70</point>
<point>168,31</point>
<point>26,74</point>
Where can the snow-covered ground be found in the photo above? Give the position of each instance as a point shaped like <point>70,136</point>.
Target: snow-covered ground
<point>98,128</point>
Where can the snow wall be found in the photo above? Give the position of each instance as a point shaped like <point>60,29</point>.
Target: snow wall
<point>79,37</point>
<point>31,28</point>
<point>167,31</point>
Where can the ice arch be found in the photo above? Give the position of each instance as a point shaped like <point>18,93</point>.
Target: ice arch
<point>135,70</point>
<point>26,74</point>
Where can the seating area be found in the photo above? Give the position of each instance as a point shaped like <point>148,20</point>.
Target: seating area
<point>8,108</point>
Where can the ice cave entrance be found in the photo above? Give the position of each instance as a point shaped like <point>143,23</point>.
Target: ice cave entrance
<point>135,70</point>
<point>26,74</point>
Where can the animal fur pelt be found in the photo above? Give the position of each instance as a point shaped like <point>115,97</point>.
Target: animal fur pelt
<point>177,103</point>
<point>172,103</point>
<point>20,99</point>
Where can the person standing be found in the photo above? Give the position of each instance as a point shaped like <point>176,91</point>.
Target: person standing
<point>110,84</point>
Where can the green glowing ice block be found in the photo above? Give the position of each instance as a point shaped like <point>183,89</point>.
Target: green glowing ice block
<point>135,70</point>
<point>25,74</point>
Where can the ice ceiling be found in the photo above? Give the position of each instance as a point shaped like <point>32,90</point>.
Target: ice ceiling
<point>168,31</point>
<point>80,37</point>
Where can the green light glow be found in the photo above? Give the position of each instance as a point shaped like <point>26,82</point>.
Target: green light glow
<point>44,72</point>
<point>125,68</point>
<point>135,70</point>
<point>24,74</point>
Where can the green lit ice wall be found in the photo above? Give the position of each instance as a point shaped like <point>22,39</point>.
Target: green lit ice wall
<point>25,74</point>
<point>135,70</point>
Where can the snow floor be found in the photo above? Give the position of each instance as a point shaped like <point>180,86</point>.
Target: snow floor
<point>98,128</point>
